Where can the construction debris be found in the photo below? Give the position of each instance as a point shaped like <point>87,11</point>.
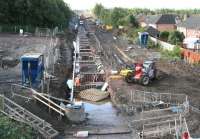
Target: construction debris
<point>81,134</point>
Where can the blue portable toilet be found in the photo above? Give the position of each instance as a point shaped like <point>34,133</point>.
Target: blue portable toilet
<point>143,37</point>
<point>32,69</point>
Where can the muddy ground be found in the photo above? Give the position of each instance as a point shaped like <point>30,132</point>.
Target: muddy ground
<point>14,46</point>
<point>101,116</point>
<point>174,77</point>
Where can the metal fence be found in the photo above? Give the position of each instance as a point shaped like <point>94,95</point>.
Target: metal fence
<point>16,28</point>
<point>174,128</point>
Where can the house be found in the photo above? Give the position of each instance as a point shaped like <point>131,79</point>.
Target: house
<point>153,32</point>
<point>192,44</point>
<point>190,27</point>
<point>149,20</point>
<point>165,22</point>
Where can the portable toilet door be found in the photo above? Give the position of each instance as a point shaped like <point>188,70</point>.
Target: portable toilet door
<point>32,69</point>
<point>143,37</point>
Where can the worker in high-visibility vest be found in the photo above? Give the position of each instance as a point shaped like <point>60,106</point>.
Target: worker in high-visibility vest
<point>185,135</point>
<point>77,81</point>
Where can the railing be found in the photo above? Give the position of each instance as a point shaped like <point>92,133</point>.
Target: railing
<point>18,113</point>
<point>194,109</point>
<point>43,98</point>
<point>175,126</point>
<point>149,97</point>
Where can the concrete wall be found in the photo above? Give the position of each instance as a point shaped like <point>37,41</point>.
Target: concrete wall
<point>164,45</point>
<point>166,27</point>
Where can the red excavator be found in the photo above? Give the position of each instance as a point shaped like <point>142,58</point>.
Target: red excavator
<point>142,73</point>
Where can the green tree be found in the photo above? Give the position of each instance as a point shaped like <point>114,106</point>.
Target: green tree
<point>97,10</point>
<point>105,16</point>
<point>133,21</point>
<point>164,35</point>
<point>176,37</point>
<point>117,16</point>
<point>13,130</point>
<point>42,13</point>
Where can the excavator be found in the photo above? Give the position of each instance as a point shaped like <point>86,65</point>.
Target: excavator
<point>141,73</point>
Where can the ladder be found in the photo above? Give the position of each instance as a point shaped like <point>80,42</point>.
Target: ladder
<point>18,113</point>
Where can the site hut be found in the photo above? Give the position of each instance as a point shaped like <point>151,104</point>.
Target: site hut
<point>32,70</point>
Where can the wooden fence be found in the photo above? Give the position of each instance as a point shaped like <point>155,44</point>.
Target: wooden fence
<point>190,57</point>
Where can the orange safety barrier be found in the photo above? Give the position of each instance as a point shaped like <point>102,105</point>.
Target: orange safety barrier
<point>190,56</point>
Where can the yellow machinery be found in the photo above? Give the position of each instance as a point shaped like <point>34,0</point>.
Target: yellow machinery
<point>106,27</point>
<point>109,27</point>
<point>124,72</point>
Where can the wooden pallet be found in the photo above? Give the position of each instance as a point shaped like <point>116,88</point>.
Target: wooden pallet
<point>18,113</point>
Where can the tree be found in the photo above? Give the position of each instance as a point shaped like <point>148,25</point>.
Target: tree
<point>105,16</point>
<point>133,21</point>
<point>176,37</point>
<point>97,10</point>
<point>41,13</point>
<point>164,35</point>
<point>13,130</point>
<point>117,15</point>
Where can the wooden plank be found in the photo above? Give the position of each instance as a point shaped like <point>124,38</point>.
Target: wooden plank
<point>49,101</point>
<point>49,106</point>
<point>63,100</point>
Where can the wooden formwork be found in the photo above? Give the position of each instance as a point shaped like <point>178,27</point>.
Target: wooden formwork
<point>86,57</point>
<point>92,77</point>
<point>88,86</point>
<point>85,50</point>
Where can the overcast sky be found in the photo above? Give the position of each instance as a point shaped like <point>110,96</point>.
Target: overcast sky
<point>152,4</point>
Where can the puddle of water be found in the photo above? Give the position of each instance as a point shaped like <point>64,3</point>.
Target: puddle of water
<point>103,113</point>
<point>104,105</point>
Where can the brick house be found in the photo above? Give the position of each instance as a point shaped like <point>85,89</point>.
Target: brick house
<point>190,27</point>
<point>165,22</point>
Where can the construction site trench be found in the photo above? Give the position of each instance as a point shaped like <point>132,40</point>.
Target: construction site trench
<point>122,115</point>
